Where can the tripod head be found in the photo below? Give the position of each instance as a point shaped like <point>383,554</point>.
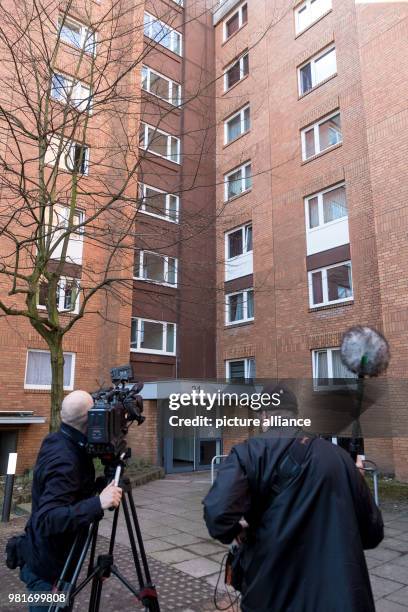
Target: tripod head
<point>114,468</point>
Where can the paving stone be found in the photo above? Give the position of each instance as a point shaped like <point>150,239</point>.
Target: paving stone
<point>402,560</point>
<point>383,586</point>
<point>182,539</point>
<point>385,605</point>
<point>399,573</point>
<point>400,596</point>
<point>156,544</point>
<point>204,549</point>
<point>198,567</point>
<point>399,545</point>
<point>174,555</point>
<point>382,554</point>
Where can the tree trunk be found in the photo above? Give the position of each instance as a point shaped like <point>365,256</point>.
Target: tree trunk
<point>57,381</point>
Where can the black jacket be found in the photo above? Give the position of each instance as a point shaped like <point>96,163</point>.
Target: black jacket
<point>305,551</point>
<point>62,501</point>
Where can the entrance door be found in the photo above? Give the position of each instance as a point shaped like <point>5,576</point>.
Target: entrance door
<point>188,449</point>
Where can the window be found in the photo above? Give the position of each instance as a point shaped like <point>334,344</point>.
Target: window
<point>60,224</point>
<point>161,33</point>
<point>309,12</point>
<point>76,34</point>
<point>327,365</point>
<point>238,242</point>
<point>67,297</point>
<point>330,285</point>
<point>161,86</point>
<point>38,370</point>
<point>317,70</point>
<point>238,181</point>
<point>239,307</point>
<point>237,125</point>
<point>326,206</point>
<point>159,203</point>
<point>72,156</point>
<point>160,143</point>
<point>66,90</point>
<point>156,268</point>
<point>236,21</point>
<point>240,370</point>
<point>237,71</point>
<point>153,336</point>
<point>321,136</point>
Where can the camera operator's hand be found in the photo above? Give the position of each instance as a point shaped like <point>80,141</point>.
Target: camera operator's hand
<point>110,496</point>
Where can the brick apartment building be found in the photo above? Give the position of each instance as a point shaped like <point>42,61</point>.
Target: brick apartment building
<point>272,213</point>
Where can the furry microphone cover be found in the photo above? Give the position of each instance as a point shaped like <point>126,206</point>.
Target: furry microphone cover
<point>365,351</point>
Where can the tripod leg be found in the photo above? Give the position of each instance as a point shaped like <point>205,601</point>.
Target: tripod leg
<point>132,542</point>
<point>139,536</point>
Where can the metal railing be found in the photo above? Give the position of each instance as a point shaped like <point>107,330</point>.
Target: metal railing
<point>213,460</point>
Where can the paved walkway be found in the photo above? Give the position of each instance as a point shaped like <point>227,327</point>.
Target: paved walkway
<point>185,562</point>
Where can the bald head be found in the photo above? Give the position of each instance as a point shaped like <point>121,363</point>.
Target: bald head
<point>74,409</point>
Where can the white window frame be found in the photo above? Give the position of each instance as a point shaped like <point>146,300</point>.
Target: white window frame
<point>88,36</point>
<point>70,387</point>
<point>243,229</point>
<point>312,61</point>
<point>316,135</point>
<point>67,152</point>
<point>238,10</point>
<point>167,217</point>
<point>165,259</point>
<point>244,293</point>
<point>144,146</point>
<point>138,349</point>
<point>319,195</point>
<point>240,169</point>
<point>241,114</point>
<point>312,16</point>
<point>61,296</point>
<point>325,287</point>
<point>315,373</point>
<point>74,90</point>
<point>246,361</point>
<point>171,83</point>
<point>241,70</point>
<point>174,34</point>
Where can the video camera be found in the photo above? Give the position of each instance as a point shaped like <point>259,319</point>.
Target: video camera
<point>113,411</point>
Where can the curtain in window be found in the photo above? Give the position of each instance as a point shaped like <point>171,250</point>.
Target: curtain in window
<point>306,78</point>
<point>339,369</point>
<point>248,176</point>
<point>236,307</point>
<point>248,238</point>
<point>334,204</point>
<point>250,304</point>
<point>39,368</point>
<point>330,132</point>
<point>251,369</point>
<point>310,147</point>
<point>234,128</point>
<point>321,367</point>
<point>234,184</point>
<point>317,287</point>
<point>235,246</point>
<point>339,282</point>
<point>313,212</point>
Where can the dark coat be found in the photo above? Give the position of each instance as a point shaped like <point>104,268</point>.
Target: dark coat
<point>62,501</point>
<point>305,550</point>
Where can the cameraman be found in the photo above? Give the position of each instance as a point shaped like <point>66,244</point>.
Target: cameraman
<point>310,515</point>
<point>63,499</point>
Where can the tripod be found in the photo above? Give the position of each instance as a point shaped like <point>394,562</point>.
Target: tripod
<point>105,566</point>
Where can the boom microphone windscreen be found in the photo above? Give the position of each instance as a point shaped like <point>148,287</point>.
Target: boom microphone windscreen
<point>365,351</point>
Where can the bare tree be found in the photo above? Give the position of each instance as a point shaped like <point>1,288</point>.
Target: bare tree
<point>69,77</point>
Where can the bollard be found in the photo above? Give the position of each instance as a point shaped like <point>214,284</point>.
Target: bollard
<point>8,489</point>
